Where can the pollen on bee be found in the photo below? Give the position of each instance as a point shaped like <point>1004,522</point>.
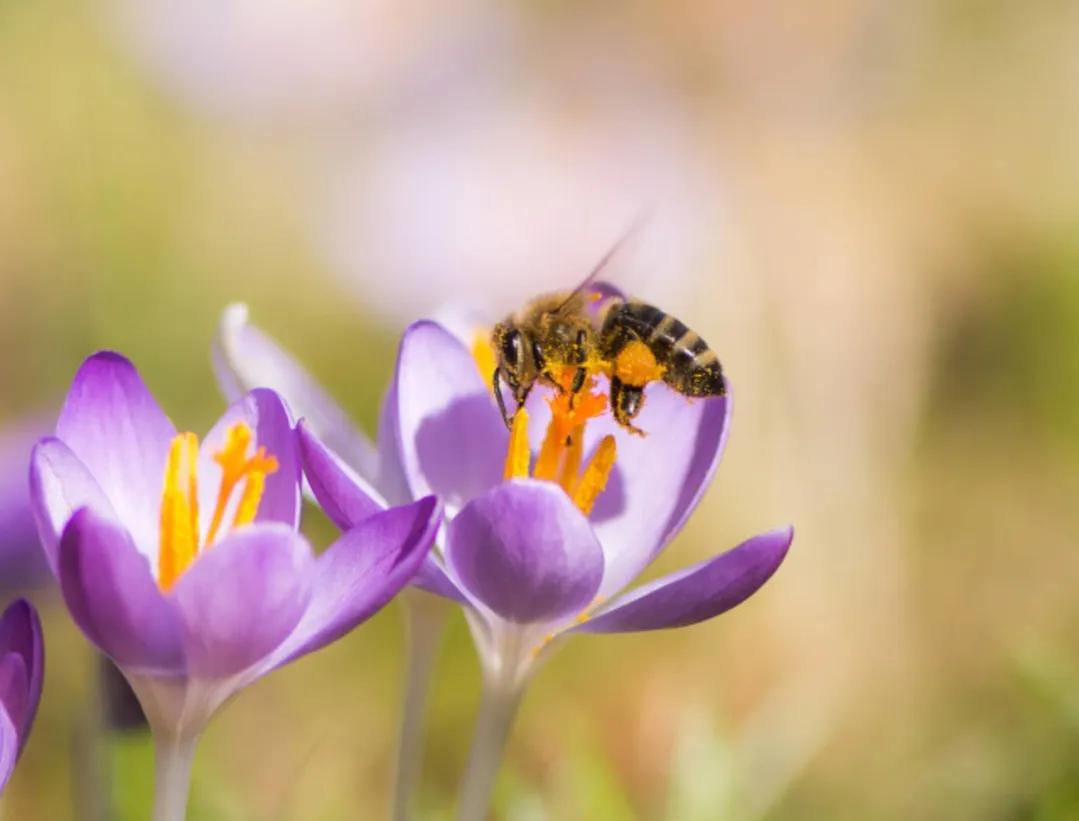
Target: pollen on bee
<point>636,365</point>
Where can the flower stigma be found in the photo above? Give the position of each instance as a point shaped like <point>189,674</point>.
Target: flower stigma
<point>179,542</point>
<point>560,456</point>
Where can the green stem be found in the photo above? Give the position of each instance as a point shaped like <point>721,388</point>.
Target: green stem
<point>425,618</point>
<point>498,708</point>
<point>172,776</point>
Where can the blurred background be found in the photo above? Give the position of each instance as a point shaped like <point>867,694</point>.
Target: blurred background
<point>869,210</point>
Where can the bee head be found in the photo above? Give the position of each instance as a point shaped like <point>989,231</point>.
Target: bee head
<point>512,350</point>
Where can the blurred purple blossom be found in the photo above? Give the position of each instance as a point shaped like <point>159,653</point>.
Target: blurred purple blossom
<point>21,561</point>
<point>291,65</point>
<point>502,193</point>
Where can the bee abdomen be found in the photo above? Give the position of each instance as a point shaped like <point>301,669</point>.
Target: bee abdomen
<point>691,367</point>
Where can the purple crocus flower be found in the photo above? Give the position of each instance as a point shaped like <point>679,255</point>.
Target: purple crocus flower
<point>534,560</point>
<point>22,671</point>
<point>520,552</point>
<point>183,562</point>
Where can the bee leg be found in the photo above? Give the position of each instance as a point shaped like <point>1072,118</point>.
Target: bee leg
<point>626,403</point>
<point>578,380</point>
<point>496,383</point>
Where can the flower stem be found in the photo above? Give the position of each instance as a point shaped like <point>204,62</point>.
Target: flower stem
<point>172,775</point>
<point>425,617</point>
<point>498,707</point>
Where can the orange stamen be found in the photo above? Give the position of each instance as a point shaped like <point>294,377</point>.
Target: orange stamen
<point>571,461</point>
<point>550,452</point>
<point>257,469</point>
<point>568,409</point>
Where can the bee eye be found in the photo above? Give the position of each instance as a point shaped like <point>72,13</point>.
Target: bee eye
<point>511,348</point>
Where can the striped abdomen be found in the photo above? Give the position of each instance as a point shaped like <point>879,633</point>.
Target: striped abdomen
<point>691,367</point>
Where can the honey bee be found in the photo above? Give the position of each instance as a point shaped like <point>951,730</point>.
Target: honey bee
<point>582,330</point>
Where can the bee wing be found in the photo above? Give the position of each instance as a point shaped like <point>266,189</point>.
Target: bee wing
<point>605,289</point>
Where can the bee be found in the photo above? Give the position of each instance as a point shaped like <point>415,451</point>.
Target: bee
<point>588,332</point>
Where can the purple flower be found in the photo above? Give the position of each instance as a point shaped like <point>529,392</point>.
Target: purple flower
<point>528,562</point>
<point>543,536</point>
<point>183,562</point>
<point>541,542</point>
<point>22,669</point>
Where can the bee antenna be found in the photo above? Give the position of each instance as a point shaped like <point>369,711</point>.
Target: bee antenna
<point>638,221</point>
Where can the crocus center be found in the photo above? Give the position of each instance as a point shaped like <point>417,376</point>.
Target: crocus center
<point>180,538</point>
<point>560,456</point>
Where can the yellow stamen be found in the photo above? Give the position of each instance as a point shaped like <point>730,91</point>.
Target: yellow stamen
<point>178,542</point>
<point>636,365</point>
<point>518,454</point>
<point>484,355</point>
<point>179,537</point>
<point>595,476</point>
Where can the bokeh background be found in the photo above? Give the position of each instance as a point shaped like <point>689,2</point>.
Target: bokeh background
<point>869,209</point>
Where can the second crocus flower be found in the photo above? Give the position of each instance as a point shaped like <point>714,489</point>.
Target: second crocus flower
<point>548,523</point>
<point>182,561</point>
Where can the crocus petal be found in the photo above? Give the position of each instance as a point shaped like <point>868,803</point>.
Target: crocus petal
<point>345,497</point>
<point>696,593</point>
<point>361,572</point>
<point>116,428</point>
<point>453,442</point>
<point>59,485</point>
<point>391,480</point>
<point>246,358</point>
<point>434,579</point>
<point>348,500</point>
<point>658,479</point>
<point>22,562</point>
<point>113,597</point>
<point>9,748</point>
<point>267,416</point>
<point>20,637</point>
<point>242,597</point>
<point>525,551</point>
